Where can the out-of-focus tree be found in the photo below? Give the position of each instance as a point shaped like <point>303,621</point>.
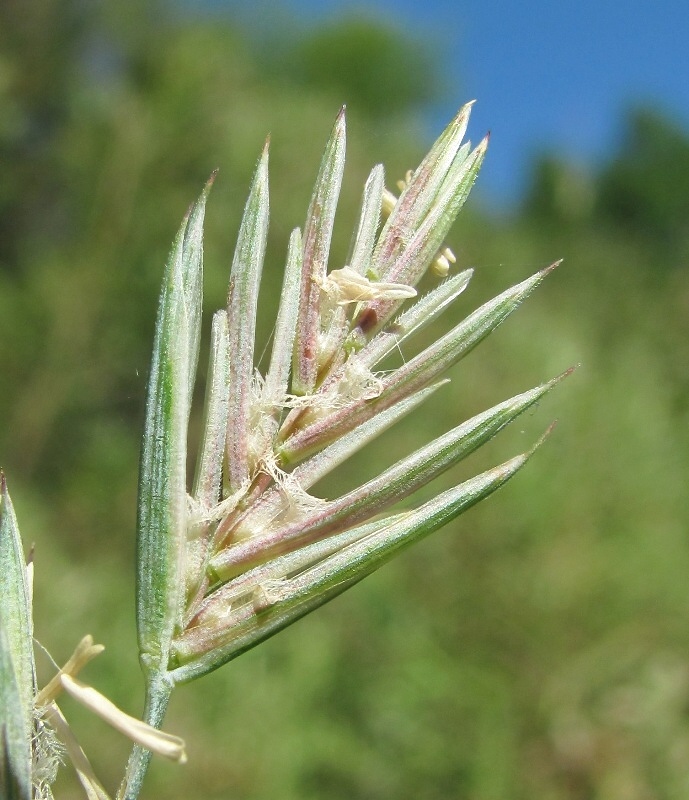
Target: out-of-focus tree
<point>381,71</point>
<point>39,42</point>
<point>641,191</point>
<point>114,116</point>
<point>559,193</point>
<point>645,188</point>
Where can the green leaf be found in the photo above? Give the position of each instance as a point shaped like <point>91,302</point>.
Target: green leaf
<point>275,604</point>
<point>392,485</point>
<point>424,239</point>
<point>208,479</point>
<point>420,193</point>
<point>415,374</point>
<point>317,235</point>
<point>17,673</point>
<point>245,277</point>
<point>275,502</point>
<point>162,505</point>
<point>335,322</point>
<point>369,219</point>
<point>277,377</point>
<point>312,470</point>
<point>415,318</point>
<point>207,482</point>
<point>15,761</point>
<point>205,633</point>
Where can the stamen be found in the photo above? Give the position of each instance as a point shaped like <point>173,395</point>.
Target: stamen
<point>84,652</point>
<point>348,286</point>
<point>164,744</point>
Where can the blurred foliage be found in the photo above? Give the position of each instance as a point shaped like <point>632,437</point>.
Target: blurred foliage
<point>537,649</point>
<point>381,71</point>
<point>645,187</point>
<point>640,193</point>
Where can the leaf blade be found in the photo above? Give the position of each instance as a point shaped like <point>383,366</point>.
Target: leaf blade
<point>317,235</point>
<point>288,601</point>
<point>393,484</point>
<point>277,377</point>
<point>161,508</point>
<point>17,670</point>
<point>415,374</point>
<point>245,277</point>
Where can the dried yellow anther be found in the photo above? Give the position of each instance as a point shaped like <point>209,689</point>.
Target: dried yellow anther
<point>441,264</point>
<point>408,175</point>
<point>269,593</point>
<point>389,202</point>
<point>449,255</point>
<point>348,286</point>
<point>164,744</point>
<point>84,652</point>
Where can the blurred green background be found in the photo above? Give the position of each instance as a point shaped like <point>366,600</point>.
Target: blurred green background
<point>539,647</point>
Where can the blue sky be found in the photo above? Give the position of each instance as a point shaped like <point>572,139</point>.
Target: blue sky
<point>546,73</point>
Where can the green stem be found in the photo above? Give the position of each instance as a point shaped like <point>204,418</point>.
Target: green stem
<point>157,697</point>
